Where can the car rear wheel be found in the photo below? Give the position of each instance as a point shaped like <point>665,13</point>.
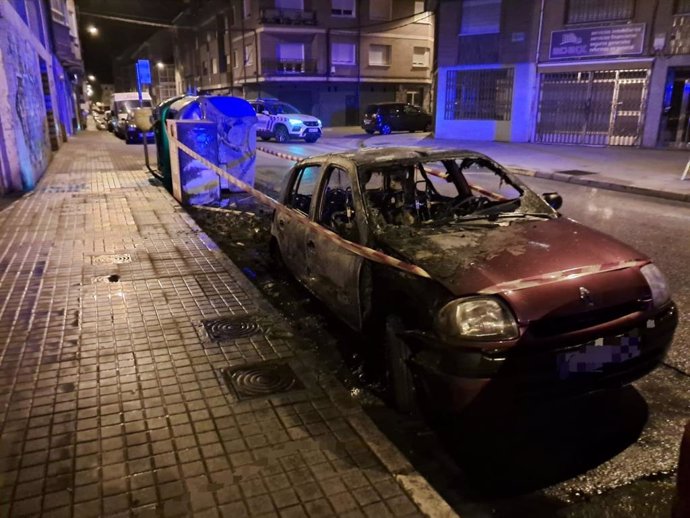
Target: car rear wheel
<point>386,129</point>
<point>281,134</point>
<point>400,379</point>
<point>265,138</point>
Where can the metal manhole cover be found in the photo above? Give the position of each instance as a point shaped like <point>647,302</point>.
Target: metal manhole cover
<point>576,172</point>
<point>229,328</point>
<point>261,380</point>
<point>111,259</point>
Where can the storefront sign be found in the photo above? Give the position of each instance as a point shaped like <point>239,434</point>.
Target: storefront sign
<point>613,40</point>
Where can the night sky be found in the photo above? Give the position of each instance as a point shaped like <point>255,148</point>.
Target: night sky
<point>115,36</point>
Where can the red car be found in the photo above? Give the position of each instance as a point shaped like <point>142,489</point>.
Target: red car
<point>515,296</point>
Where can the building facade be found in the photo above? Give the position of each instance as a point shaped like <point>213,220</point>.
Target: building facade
<point>565,71</point>
<point>328,58</point>
<point>40,74</point>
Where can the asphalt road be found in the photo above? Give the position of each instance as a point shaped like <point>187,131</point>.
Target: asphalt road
<point>609,455</point>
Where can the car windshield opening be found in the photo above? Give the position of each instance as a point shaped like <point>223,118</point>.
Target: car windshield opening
<point>437,192</point>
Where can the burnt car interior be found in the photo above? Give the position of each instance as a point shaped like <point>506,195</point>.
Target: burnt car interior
<point>421,193</point>
<point>337,210</point>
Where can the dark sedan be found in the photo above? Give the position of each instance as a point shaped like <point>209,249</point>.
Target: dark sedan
<point>388,117</point>
<point>515,296</point>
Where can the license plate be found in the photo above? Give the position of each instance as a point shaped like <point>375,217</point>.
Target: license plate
<point>312,130</point>
<point>594,356</point>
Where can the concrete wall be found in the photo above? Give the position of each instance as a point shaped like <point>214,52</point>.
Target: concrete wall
<point>22,104</point>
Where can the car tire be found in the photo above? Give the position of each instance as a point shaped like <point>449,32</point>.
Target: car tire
<point>386,129</point>
<point>370,131</point>
<point>400,378</point>
<point>311,140</point>
<point>128,139</point>
<point>281,134</point>
<point>265,138</point>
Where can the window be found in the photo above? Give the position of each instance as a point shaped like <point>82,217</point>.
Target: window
<point>343,8</point>
<point>289,52</point>
<point>214,66</point>
<point>380,10</point>
<point>303,188</point>
<point>249,54</point>
<point>479,94</point>
<point>420,57</point>
<point>337,207</point>
<point>682,7</point>
<point>380,55</point>
<point>412,97</point>
<point>481,17</point>
<point>290,4</point>
<point>585,11</point>
<point>57,7</point>
<point>343,53</point>
<point>235,61</point>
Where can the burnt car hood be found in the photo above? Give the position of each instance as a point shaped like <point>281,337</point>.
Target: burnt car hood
<point>471,257</point>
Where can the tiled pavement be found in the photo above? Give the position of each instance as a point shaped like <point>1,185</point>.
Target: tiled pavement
<point>112,398</point>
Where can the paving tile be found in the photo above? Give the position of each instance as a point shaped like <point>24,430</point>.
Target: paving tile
<point>110,394</point>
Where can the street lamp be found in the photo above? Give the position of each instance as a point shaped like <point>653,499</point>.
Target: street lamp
<point>91,77</point>
<point>92,30</point>
<point>160,65</point>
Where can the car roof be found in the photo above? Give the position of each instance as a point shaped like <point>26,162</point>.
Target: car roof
<point>386,156</point>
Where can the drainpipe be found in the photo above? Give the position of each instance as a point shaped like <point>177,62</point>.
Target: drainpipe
<point>244,58</point>
<point>257,54</point>
<point>537,57</point>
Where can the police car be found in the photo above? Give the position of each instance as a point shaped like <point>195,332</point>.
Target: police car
<point>283,121</point>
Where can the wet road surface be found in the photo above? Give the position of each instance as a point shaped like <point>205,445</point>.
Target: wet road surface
<point>609,455</point>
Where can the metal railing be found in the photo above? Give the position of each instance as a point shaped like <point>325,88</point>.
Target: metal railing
<point>288,66</point>
<point>288,16</point>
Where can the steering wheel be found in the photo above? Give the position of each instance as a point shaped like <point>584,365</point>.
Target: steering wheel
<point>467,205</point>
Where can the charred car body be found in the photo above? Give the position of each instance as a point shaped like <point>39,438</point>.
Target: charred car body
<point>518,296</point>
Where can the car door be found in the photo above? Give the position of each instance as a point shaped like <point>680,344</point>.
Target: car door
<point>413,118</point>
<point>288,229</point>
<point>262,118</point>
<point>396,116</point>
<point>334,272</point>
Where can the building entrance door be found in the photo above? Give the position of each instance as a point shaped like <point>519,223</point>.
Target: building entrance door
<point>594,107</point>
<point>675,117</point>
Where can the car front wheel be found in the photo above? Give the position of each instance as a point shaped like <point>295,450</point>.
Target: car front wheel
<point>281,134</point>
<point>386,129</point>
<point>400,379</point>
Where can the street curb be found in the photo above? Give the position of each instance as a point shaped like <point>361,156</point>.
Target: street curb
<point>601,184</point>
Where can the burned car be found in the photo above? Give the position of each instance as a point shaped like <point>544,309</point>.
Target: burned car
<point>515,295</point>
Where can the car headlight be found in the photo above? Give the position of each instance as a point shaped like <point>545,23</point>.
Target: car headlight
<point>477,318</point>
<point>295,122</point>
<point>318,121</point>
<point>132,126</point>
<point>657,283</point>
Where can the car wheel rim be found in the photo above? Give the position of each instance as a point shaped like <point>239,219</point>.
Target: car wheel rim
<point>281,135</point>
<point>385,130</point>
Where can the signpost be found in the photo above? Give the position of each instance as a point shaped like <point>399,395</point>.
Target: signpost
<point>144,78</point>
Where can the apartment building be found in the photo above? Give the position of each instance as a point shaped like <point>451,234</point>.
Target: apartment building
<point>40,78</point>
<point>327,57</point>
<point>565,71</point>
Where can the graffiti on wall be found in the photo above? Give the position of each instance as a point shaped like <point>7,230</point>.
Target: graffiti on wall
<point>26,95</point>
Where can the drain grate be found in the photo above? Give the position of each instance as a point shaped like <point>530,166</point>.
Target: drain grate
<point>229,328</point>
<point>262,379</point>
<point>576,172</point>
<point>105,279</point>
<point>111,259</point>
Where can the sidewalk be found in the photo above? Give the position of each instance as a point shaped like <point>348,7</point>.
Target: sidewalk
<point>653,172</point>
<point>142,375</point>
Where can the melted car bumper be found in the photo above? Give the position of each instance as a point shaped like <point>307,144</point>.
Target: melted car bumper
<point>455,378</point>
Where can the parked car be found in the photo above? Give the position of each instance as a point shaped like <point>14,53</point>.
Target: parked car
<point>388,117</point>
<point>283,122</point>
<point>123,105</point>
<point>518,297</point>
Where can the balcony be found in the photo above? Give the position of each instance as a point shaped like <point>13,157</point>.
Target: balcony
<point>285,67</point>
<point>65,47</point>
<point>287,17</point>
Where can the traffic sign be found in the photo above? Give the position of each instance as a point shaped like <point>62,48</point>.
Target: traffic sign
<point>143,72</point>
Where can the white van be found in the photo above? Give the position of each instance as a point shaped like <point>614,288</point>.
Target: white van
<point>122,106</point>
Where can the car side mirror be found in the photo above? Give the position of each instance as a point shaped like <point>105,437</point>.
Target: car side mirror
<point>554,199</point>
